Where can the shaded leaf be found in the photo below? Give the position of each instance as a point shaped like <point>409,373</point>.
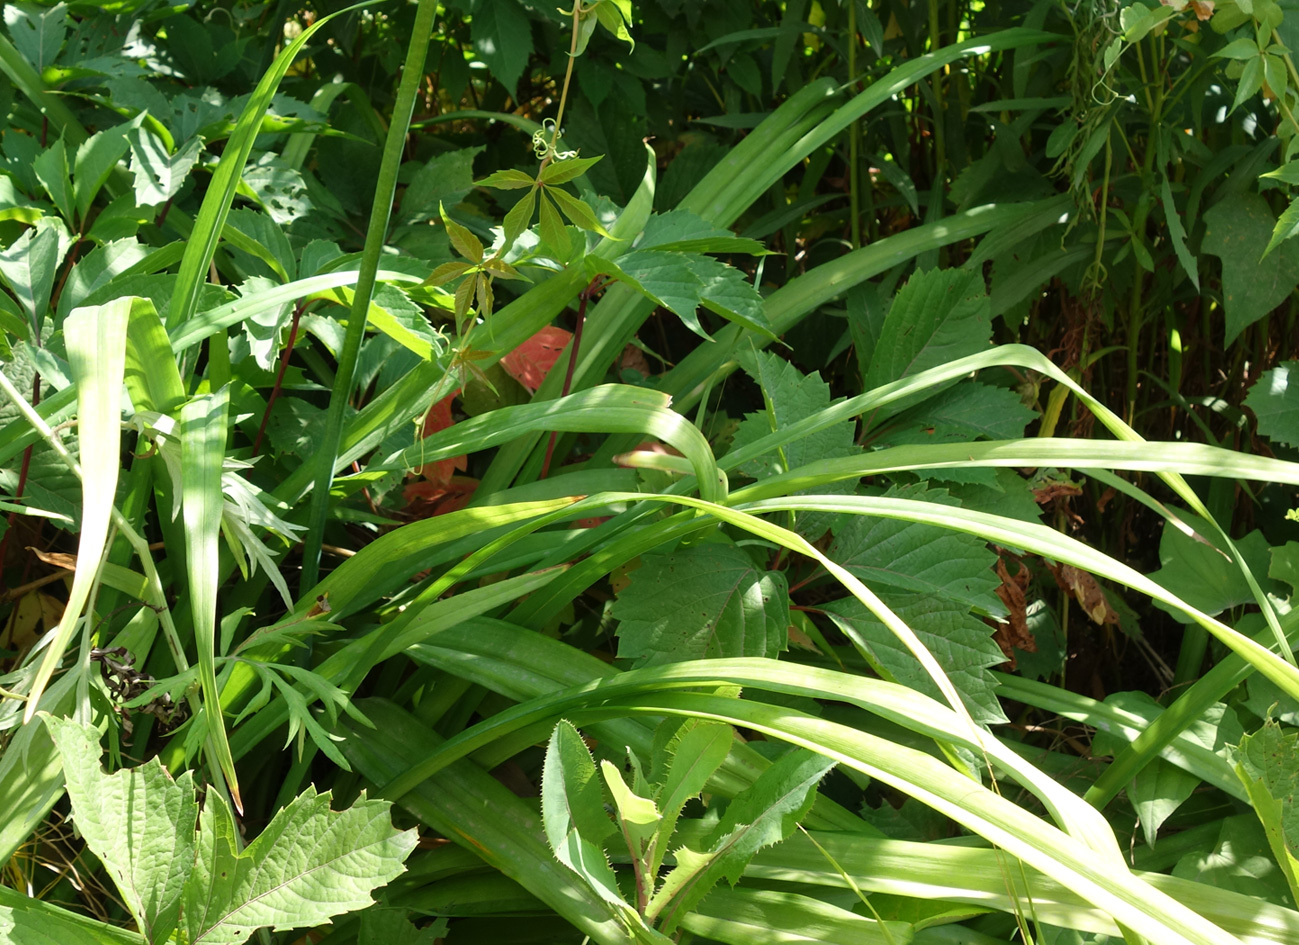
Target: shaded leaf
<point>1238,230</point>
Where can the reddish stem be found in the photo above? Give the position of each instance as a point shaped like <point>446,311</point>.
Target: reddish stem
<point>594,286</point>
<point>279,377</point>
<point>22,487</point>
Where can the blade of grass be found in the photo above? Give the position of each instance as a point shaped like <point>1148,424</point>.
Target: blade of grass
<point>211,219</point>
<point>203,423</point>
<point>96,340</point>
<point>380,212</point>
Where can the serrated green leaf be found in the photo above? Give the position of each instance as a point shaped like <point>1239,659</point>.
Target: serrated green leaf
<point>937,317</point>
<point>506,180</point>
<point>260,235</point>
<point>1243,48</point>
<point>961,643</point>
<point>664,278</point>
<point>1268,766</point>
<point>309,865</point>
<point>578,213</point>
<point>97,269</point>
<point>138,821</point>
<point>1274,398</point>
<point>696,755</point>
<point>765,813</point>
<point>571,798</point>
<point>52,170</point>
<point>920,559</point>
<point>561,172</point>
<point>684,232</point>
<point>1286,227</point>
<point>728,292</point>
<point>551,228</point>
<point>465,243</point>
<point>448,271</point>
<point>38,32</point>
<point>572,811</point>
<point>519,216</point>
<point>446,178</point>
<point>29,266</point>
<point>707,600</point>
<point>1249,83</point>
<point>790,397</point>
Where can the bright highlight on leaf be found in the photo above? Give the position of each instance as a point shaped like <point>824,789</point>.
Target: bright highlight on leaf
<point>308,865</point>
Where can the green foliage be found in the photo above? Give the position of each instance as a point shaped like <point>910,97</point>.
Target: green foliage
<point>669,374</point>
<point>309,864</point>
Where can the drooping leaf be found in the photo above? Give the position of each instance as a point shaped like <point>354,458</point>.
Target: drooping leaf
<point>706,600</point>
<point>96,340</point>
<point>961,643</point>
<point>138,821</point>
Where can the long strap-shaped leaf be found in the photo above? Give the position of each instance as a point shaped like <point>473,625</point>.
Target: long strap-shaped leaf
<point>1024,357</point>
<point>203,423</point>
<point>212,214</point>
<point>1051,544</point>
<point>323,465</point>
<point>1072,861</point>
<point>96,340</point>
<point>609,408</point>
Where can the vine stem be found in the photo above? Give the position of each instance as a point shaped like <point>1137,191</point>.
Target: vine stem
<point>563,94</point>
<point>279,378</point>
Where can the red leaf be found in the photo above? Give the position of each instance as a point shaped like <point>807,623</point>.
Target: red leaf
<point>439,472</point>
<point>427,499</point>
<point>531,361</point>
